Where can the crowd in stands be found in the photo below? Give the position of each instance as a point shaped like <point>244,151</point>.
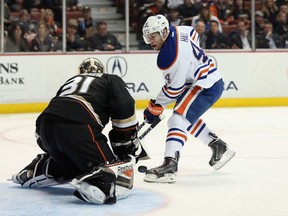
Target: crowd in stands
<point>222,24</point>
<point>36,26</point>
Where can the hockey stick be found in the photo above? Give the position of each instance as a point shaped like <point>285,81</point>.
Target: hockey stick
<point>143,151</point>
<point>142,125</point>
<point>153,125</point>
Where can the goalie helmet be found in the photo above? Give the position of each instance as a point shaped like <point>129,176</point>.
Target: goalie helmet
<point>91,65</point>
<point>154,24</point>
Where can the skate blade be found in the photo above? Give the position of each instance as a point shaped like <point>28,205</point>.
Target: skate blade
<point>167,178</point>
<point>227,156</point>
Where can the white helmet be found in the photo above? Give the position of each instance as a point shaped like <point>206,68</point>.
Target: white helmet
<point>91,65</point>
<point>153,24</point>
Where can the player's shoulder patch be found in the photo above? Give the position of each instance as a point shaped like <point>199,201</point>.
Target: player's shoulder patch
<point>169,52</point>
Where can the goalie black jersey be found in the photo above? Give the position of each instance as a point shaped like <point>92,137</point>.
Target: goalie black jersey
<point>93,99</point>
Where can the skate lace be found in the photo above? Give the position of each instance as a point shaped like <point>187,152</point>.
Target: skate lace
<point>165,163</point>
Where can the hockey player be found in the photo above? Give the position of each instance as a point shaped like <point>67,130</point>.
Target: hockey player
<point>194,83</point>
<point>69,131</point>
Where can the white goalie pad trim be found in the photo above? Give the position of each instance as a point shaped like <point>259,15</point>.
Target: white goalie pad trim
<point>88,192</point>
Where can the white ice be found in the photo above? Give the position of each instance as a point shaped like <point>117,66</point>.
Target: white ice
<point>253,183</point>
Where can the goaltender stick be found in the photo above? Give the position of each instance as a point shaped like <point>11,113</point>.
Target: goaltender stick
<point>69,131</point>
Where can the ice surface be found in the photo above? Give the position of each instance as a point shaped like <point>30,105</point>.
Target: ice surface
<point>253,183</point>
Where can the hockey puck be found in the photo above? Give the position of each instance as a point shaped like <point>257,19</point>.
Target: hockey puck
<point>142,169</point>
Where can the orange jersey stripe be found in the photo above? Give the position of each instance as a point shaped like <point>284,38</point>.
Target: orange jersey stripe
<point>97,144</point>
<point>172,93</point>
<point>184,104</point>
<point>193,36</point>
<point>87,110</point>
<point>205,71</point>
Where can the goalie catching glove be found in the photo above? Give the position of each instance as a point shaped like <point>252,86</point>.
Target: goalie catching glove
<point>152,112</point>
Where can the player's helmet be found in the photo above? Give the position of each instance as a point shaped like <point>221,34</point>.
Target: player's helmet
<point>91,65</point>
<point>153,24</point>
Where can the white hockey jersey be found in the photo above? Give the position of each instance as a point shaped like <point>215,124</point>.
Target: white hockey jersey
<point>184,64</point>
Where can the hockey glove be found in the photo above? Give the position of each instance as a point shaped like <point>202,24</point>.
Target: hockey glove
<point>122,141</point>
<point>152,112</point>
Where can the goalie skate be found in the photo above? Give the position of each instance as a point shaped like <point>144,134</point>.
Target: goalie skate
<point>36,175</point>
<point>221,154</point>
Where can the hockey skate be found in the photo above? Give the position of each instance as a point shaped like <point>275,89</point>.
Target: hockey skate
<point>221,153</point>
<point>36,173</point>
<point>166,173</point>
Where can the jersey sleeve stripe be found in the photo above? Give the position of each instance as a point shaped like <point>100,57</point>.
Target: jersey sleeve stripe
<point>210,71</point>
<point>88,108</point>
<point>204,70</point>
<point>172,94</point>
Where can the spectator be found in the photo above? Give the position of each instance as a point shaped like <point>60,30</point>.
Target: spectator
<point>269,40</point>
<point>15,41</point>
<point>206,16</point>
<point>284,8</point>
<point>215,39</point>
<point>71,5</point>
<point>15,5</point>
<point>174,18</point>
<point>56,7</point>
<point>241,38</point>
<point>281,2</point>
<point>158,7</point>
<point>74,42</point>
<point>103,40</point>
<point>136,10</point>
<point>6,16</point>
<point>280,24</point>
<point>270,10</point>
<point>239,12</point>
<point>259,22</point>
<point>25,20</point>
<point>220,9</point>
<point>200,28</point>
<point>43,42</point>
<point>85,22</point>
<point>54,28</point>
<point>171,4</point>
<point>188,10</point>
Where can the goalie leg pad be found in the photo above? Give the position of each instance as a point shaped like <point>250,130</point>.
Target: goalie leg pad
<point>96,187</point>
<point>106,184</point>
<point>36,174</point>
